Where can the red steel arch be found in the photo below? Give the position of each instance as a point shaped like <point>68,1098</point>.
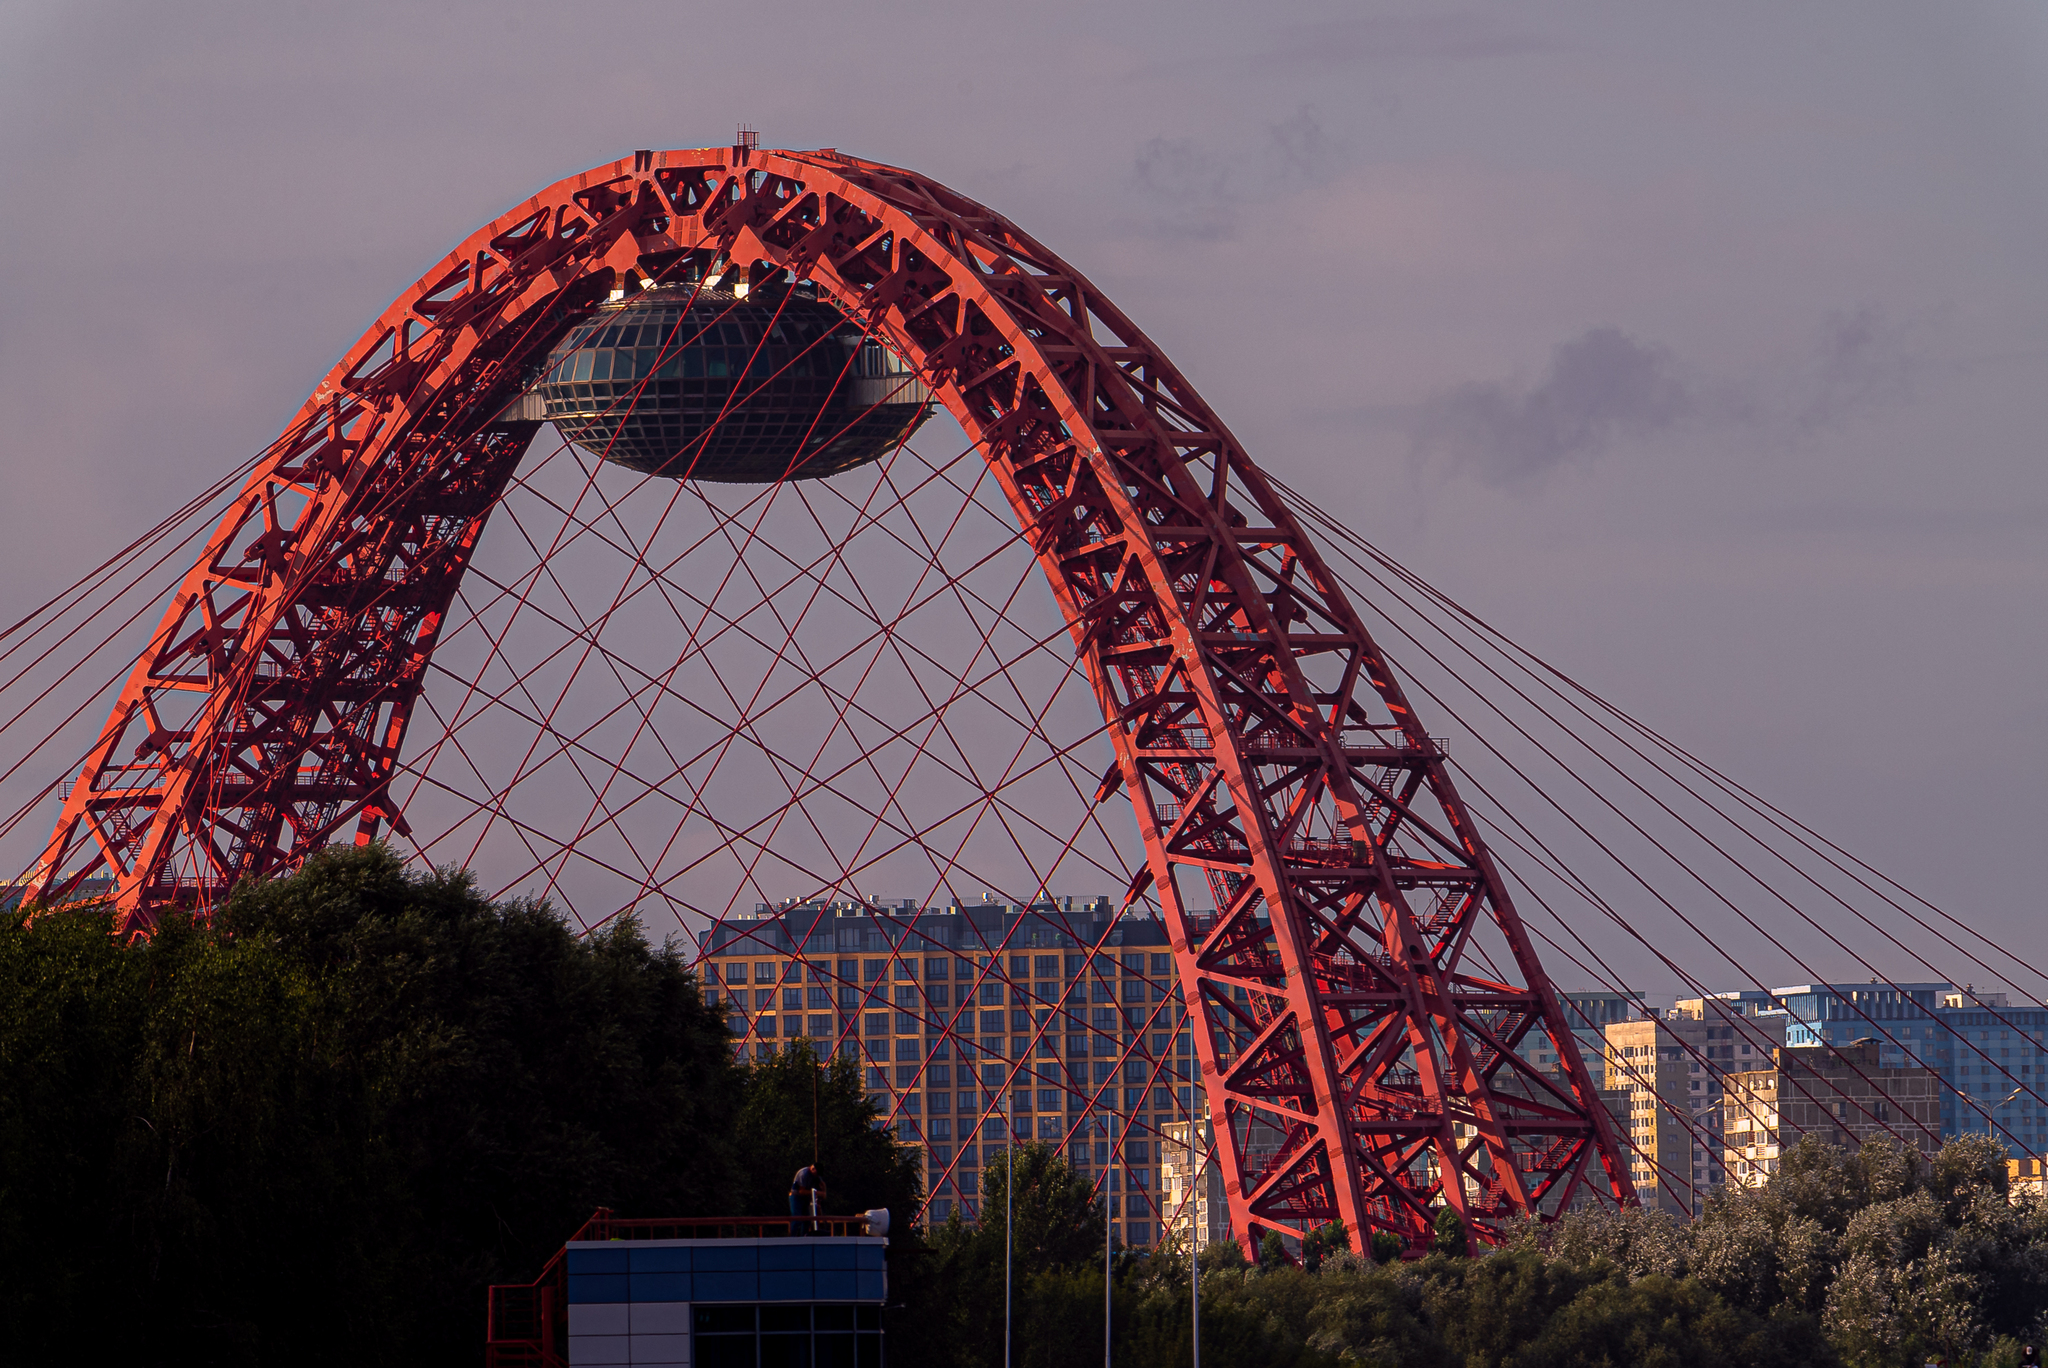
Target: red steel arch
<point>1357,1068</point>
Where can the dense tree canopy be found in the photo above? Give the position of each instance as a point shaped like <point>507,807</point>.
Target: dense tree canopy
<point>314,1131</point>
<point>1870,1258</point>
<point>795,1112</point>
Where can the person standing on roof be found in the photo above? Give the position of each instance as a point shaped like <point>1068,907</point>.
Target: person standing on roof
<point>807,1186</point>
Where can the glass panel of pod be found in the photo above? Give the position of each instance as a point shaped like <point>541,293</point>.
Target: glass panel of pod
<point>693,382</point>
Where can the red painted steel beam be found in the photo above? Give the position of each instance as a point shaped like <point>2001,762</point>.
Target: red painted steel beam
<point>1355,1069</point>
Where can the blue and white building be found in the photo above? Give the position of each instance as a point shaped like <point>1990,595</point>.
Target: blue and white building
<point>1989,1055</point>
<point>720,1293</point>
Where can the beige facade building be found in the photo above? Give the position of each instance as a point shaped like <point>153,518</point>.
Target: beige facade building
<point>1051,1022</point>
<point>1839,1094</point>
<point>1665,1078</point>
<point>1192,1186</point>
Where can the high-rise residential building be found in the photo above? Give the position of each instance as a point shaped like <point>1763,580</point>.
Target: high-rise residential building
<point>1843,1095</point>
<point>1990,1055</point>
<point>1058,1016</point>
<point>1665,1071</point>
<point>1193,1182</point>
<point>1589,1012</point>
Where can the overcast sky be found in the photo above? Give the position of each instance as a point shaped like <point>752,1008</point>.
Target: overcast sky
<point>1700,347</point>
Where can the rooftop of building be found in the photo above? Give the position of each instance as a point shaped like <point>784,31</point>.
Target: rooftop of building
<point>830,927</point>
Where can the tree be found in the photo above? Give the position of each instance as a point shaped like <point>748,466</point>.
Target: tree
<point>1449,1235</point>
<point>1386,1246</point>
<point>1059,1229</point>
<point>317,1128</point>
<point>782,1097</point>
<point>1322,1241</point>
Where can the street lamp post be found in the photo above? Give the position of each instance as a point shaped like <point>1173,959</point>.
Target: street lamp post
<point>1009,1226</point>
<point>1105,1270</point>
<point>1194,1204</point>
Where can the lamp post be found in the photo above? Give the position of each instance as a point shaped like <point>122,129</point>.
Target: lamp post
<point>1105,1270</point>
<point>1195,1158</point>
<point>1009,1210</point>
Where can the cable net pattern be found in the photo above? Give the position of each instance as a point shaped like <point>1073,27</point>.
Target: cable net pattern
<point>1086,662</point>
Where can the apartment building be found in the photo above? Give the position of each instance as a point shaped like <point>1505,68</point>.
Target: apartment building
<point>1589,1013</point>
<point>1195,1206</point>
<point>1665,1073</point>
<point>1841,1094</point>
<point>1057,1016</point>
<point>1990,1055</point>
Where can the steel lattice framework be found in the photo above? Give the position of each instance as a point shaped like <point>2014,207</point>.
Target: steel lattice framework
<point>1358,1068</point>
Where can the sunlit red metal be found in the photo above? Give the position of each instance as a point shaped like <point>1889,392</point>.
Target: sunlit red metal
<point>1357,1068</point>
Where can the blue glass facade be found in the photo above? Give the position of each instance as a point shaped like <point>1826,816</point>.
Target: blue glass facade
<point>1983,1051</point>
<point>710,1303</point>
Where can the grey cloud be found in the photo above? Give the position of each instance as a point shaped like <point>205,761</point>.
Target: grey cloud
<point>1190,184</point>
<point>1601,386</point>
<point>1300,150</point>
<point>1400,38</point>
<point>1859,358</point>
<point>1198,189</point>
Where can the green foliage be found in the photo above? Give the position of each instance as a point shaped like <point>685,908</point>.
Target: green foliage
<point>863,1167</point>
<point>1224,1256</point>
<point>1322,1241</point>
<point>954,1314</point>
<point>1272,1250</point>
<point>1450,1233</point>
<point>314,1131</point>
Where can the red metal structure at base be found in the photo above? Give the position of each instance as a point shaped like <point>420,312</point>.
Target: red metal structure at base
<point>1357,1068</point>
